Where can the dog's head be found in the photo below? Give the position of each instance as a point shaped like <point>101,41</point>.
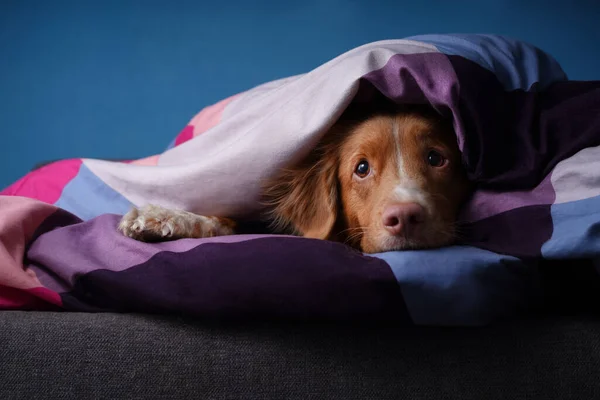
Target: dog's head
<point>390,180</point>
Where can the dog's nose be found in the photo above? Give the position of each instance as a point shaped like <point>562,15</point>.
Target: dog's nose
<point>401,219</point>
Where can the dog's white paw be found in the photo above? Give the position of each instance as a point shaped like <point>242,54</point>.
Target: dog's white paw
<point>155,223</point>
<point>148,223</point>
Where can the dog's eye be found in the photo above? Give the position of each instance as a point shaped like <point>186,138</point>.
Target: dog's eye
<point>362,168</point>
<point>435,159</point>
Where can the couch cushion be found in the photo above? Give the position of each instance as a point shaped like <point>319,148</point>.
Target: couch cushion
<point>93,356</point>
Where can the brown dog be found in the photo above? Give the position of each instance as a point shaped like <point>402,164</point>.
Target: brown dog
<point>380,180</point>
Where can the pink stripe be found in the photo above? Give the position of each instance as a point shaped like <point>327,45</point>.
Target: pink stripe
<point>186,134</point>
<point>47,183</point>
<point>47,295</point>
<point>21,216</point>
<point>152,160</point>
<point>206,119</point>
<point>28,299</point>
<point>210,116</point>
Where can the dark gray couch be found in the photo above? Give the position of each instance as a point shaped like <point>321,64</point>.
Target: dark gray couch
<point>48,355</point>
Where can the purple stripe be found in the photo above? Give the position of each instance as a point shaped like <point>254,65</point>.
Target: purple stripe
<point>514,139</point>
<point>48,278</point>
<point>519,232</point>
<point>276,277</point>
<point>57,219</point>
<point>426,78</point>
<point>486,203</point>
<point>96,244</point>
<point>510,139</point>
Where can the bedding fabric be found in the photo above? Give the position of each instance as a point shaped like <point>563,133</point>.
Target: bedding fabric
<point>530,139</point>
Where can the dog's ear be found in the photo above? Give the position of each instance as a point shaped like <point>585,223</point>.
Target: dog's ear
<point>305,198</point>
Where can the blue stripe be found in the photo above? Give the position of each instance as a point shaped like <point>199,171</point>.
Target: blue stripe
<point>87,197</point>
<point>461,285</point>
<point>172,144</point>
<point>517,65</point>
<point>576,230</point>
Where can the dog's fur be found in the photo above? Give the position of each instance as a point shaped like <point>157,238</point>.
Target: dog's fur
<point>403,201</point>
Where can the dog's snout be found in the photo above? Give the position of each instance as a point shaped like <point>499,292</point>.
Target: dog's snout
<point>401,219</point>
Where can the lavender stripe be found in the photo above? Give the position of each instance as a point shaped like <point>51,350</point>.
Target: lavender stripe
<point>426,78</point>
<point>63,254</point>
<point>486,203</point>
<point>49,279</point>
<point>275,277</point>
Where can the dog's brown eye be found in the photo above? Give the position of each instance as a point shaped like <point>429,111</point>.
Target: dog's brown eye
<point>362,168</point>
<point>435,159</point>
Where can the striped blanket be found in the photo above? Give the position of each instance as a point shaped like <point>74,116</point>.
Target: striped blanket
<point>530,140</point>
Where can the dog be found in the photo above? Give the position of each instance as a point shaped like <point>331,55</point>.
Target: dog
<point>383,179</point>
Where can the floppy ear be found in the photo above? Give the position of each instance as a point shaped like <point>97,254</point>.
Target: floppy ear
<point>305,198</point>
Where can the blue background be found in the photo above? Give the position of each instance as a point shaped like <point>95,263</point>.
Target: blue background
<point>120,78</point>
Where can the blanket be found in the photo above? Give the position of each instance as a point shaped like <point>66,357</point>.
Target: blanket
<point>530,141</point>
